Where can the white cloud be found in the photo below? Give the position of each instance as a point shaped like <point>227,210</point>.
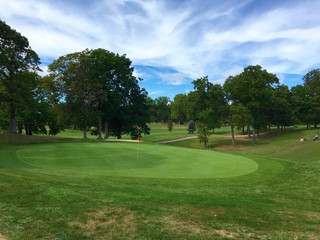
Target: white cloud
<point>173,78</point>
<point>195,38</point>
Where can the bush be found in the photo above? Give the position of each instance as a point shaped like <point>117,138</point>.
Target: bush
<point>192,127</point>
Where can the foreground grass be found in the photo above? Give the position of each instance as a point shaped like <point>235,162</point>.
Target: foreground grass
<point>281,200</point>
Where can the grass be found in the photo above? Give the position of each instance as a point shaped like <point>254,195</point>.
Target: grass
<point>138,160</point>
<point>64,190</point>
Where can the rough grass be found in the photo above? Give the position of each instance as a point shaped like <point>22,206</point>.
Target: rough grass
<point>281,200</point>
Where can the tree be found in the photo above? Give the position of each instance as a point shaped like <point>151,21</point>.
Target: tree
<point>34,111</point>
<point>209,107</point>
<point>170,125</point>
<point>279,109</point>
<point>304,104</point>
<point>131,109</point>
<point>312,83</point>
<point>202,109</point>
<point>178,108</point>
<point>80,90</point>
<point>16,58</point>
<point>238,117</point>
<point>191,127</point>
<point>102,65</point>
<point>253,89</point>
<point>162,109</point>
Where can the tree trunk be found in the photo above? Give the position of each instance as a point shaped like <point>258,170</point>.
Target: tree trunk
<point>106,129</point>
<point>242,130</point>
<point>28,130</point>
<point>12,124</point>
<point>119,132</point>
<point>269,128</point>
<point>85,133</point>
<point>232,134</point>
<point>278,129</point>
<point>100,128</point>
<point>20,128</point>
<point>248,130</point>
<point>253,131</point>
<point>254,135</point>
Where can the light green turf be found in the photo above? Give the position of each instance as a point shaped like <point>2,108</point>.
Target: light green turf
<point>131,160</point>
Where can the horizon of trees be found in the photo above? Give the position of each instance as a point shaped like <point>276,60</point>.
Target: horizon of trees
<point>96,88</point>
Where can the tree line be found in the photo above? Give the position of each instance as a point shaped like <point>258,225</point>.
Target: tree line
<point>97,88</point>
<point>252,101</point>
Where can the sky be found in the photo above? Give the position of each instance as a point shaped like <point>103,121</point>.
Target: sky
<point>173,42</point>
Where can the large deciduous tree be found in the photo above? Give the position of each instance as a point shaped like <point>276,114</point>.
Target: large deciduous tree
<point>98,84</point>
<point>209,107</point>
<point>253,89</point>
<point>80,89</point>
<point>16,58</point>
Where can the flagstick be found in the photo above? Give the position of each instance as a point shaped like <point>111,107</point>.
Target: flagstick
<point>138,148</point>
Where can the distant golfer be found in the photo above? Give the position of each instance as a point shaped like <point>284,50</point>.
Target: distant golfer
<point>139,137</point>
<point>303,139</point>
<point>316,137</point>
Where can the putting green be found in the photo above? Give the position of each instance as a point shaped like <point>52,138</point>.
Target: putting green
<point>130,160</point>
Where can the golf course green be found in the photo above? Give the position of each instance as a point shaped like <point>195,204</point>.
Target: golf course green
<point>130,160</point>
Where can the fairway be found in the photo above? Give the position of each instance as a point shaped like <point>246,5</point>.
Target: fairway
<point>130,160</point>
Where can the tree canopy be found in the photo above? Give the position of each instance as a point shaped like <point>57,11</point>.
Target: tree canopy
<point>99,85</point>
<point>16,60</point>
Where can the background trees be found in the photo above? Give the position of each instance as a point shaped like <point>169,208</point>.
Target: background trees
<point>161,109</point>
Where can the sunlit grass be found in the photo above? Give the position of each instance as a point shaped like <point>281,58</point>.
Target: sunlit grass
<point>280,200</point>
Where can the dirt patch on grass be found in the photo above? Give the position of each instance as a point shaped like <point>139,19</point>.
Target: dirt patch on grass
<point>108,224</point>
<point>313,215</point>
<point>204,223</point>
<point>121,140</point>
<point>2,237</point>
<point>189,228</point>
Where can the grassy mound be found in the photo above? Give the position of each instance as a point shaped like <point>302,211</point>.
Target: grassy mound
<point>129,160</point>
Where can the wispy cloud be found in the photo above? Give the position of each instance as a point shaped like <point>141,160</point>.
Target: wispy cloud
<point>191,38</point>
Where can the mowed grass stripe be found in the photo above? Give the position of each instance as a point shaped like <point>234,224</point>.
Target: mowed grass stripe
<point>132,160</point>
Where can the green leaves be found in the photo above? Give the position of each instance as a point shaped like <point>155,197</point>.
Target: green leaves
<point>99,84</point>
<point>209,108</point>
<point>253,89</point>
<point>16,59</point>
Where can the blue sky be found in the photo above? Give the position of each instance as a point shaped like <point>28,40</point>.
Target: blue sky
<point>172,42</point>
